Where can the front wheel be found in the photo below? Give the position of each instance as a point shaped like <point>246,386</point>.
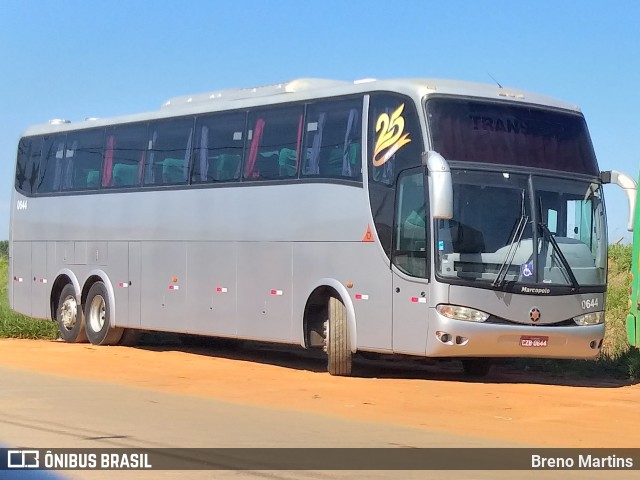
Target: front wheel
<point>97,312</point>
<point>69,316</point>
<point>337,339</point>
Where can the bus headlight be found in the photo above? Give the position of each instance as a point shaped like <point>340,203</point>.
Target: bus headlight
<point>592,318</point>
<point>462,313</point>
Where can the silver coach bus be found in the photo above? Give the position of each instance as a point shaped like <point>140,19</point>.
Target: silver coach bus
<point>420,217</point>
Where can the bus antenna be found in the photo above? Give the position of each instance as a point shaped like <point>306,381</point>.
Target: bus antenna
<point>498,83</point>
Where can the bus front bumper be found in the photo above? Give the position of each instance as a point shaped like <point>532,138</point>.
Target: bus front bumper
<point>459,338</point>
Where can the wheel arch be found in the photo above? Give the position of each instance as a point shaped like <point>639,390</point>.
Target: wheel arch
<point>100,276</point>
<point>64,277</point>
<point>320,293</point>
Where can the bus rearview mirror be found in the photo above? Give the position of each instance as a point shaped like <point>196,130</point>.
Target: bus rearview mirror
<point>440,185</point>
<point>629,186</point>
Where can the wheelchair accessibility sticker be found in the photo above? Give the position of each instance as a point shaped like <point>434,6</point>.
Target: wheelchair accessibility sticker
<point>526,269</point>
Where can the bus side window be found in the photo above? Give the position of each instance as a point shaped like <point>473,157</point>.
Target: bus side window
<point>217,155</point>
<point>274,143</point>
<point>124,154</point>
<point>51,164</point>
<point>395,139</point>
<point>333,139</point>
<point>83,160</point>
<point>28,164</point>
<point>168,152</point>
<point>410,253</point>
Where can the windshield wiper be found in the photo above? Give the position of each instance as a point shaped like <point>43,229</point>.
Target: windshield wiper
<point>514,243</point>
<point>546,233</point>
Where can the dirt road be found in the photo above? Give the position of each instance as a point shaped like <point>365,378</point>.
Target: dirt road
<point>510,406</point>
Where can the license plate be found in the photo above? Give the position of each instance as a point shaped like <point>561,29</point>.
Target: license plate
<point>535,342</point>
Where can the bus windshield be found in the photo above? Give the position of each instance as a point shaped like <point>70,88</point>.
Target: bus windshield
<point>494,132</point>
<point>530,230</point>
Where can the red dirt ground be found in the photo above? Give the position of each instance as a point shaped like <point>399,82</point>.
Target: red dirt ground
<point>526,408</point>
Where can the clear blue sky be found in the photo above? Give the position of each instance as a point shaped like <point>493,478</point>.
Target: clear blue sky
<point>81,58</point>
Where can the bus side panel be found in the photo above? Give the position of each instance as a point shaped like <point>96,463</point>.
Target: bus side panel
<point>135,284</point>
<point>65,254</point>
<point>212,293</point>
<point>40,307</point>
<point>410,311</point>
<point>119,275</point>
<point>164,284</point>
<point>356,262</point>
<point>21,277</point>
<point>265,290</point>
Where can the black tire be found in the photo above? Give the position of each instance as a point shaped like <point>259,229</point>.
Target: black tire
<point>130,337</point>
<point>98,317</point>
<point>338,340</point>
<point>70,317</point>
<point>477,367</point>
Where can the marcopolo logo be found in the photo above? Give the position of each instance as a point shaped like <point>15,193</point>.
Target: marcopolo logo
<point>542,291</point>
<point>23,459</point>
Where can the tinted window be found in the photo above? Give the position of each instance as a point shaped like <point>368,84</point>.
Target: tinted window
<point>169,150</point>
<point>274,140</point>
<point>219,144</point>
<point>124,154</point>
<point>83,160</point>
<point>474,131</point>
<point>51,164</point>
<point>410,235</point>
<point>395,138</point>
<point>333,139</point>
<point>395,144</point>
<point>28,164</point>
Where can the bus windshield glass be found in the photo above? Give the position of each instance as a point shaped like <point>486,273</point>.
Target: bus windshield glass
<point>512,228</point>
<point>521,135</point>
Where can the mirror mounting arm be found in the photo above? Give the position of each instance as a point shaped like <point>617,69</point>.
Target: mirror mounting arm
<point>629,186</point>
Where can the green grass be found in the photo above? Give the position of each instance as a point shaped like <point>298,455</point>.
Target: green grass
<point>617,359</point>
<point>15,325</point>
<point>616,343</point>
<point>616,350</point>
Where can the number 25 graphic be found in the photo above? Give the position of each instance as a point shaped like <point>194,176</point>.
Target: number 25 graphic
<point>390,137</point>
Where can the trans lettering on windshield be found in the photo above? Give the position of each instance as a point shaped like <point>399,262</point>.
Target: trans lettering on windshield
<point>390,136</point>
<point>507,125</point>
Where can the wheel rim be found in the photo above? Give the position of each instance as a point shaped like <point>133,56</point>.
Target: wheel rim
<point>97,313</point>
<point>68,313</point>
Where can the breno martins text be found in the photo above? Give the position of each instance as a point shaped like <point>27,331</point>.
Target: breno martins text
<point>581,461</point>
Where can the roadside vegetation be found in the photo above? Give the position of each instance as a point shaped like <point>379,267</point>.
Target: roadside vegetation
<point>616,349</point>
<point>617,359</point>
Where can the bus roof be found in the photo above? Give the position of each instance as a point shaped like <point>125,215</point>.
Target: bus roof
<point>305,89</point>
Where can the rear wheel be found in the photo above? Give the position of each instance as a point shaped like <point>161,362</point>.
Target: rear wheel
<point>477,367</point>
<point>130,337</point>
<point>97,312</point>
<point>69,316</point>
<point>337,339</point>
